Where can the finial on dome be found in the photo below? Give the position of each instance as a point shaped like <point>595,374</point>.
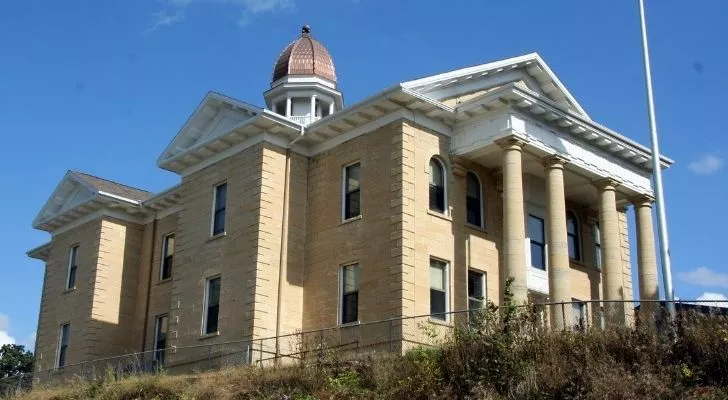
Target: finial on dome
<point>306,29</point>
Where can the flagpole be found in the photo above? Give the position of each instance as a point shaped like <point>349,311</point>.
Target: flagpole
<point>657,174</point>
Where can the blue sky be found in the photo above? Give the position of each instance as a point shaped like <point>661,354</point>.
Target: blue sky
<point>87,83</point>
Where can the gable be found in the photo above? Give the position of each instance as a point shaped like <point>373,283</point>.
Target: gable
<point>71,192</point>
<point>527,72</point>
<point>213,117</point>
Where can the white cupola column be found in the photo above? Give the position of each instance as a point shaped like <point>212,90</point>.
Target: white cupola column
<point>331,108</point>
<point>313,108</point>
<point>288,106</point>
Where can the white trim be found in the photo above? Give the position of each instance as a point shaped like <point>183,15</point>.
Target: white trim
<point>445,176</point>
<point>263,137</point>
<point>446,285</point>
<point>164,254</point>
<point>214,204</point>
<point>340,302</point>
<point>344,177</point>
<point>156,333</point>
<point>117,197</point>
<point>205,300</point>
<point>482,196</point>
<point>483,281</point>
<point>95,215</point>
<point>72,256</point>
<point>60,342</point>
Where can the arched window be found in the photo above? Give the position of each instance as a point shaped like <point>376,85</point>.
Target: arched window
<point>597,245</point>
<point>437,185</point>
<point>572,233</point>
<point>474,200</point>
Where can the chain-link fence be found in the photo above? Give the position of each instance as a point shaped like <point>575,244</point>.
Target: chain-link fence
<point>395,335</point>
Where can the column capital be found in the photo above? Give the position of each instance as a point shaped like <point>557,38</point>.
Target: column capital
<point>606,183</point>
<point>642,200</point>
<point>511,142</point>
<point>458,166</point>
<point>554,161</point>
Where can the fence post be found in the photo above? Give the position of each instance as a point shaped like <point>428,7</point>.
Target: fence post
<point>563,314</point>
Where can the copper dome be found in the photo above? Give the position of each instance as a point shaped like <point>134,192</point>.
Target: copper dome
<point>305,56</point>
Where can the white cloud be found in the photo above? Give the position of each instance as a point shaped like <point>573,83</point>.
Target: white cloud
<point>704,276</point>
<point>165,18</point>
<point>706,164</point>
<point>717,299</point>
<point>5,337</point>
<point>248,10</point>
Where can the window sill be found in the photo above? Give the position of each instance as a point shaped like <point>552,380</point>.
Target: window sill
<point>581,264</point>
<point>439,321</point>
<point>476,228</point>
<point>349,324</point>
<point>439,215</point>
<point>214,237</point>
<point>69,290</point>
<point>210,335</point>
<point>352,219</point>
<point>165,280</point>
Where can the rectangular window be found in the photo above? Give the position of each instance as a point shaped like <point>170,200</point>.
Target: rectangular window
<point>597,246</point>
<point>352,192</point>
<point>212,306</point>
<point>160,339</point>
<point>438,290</point>
<point>218,209</point>
<point>349,293</point>
<point>63,341</point>
<point>578,314</point>
<point>72,260</point>
<point>538,242</point>
<point>167,257</point>
<point>476,290</point>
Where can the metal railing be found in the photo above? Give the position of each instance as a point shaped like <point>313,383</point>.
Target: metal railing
<point>394,335</point>
<point>304,119</point>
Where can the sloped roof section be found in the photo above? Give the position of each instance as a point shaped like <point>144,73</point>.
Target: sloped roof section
<point>529,70</point>
<point>114,188</point>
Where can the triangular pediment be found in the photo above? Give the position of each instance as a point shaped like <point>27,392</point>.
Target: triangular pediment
<point>71,192</point>
<point>216,115</point>
<point>527,72</point>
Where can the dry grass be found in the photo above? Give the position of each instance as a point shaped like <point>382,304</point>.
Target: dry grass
<point>505,358</point>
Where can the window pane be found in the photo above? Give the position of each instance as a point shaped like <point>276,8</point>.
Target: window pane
<point>351,206</point>
<point>65,334</point>
<point>571,223</point>
<point>437,275</point>
<point>598,256</point>
<point>212,313</point>
<point>169,246</point>
<point>352,177</point>
<point>436,173</point>
<point>74,255</point>
<point>473,189</point>
<point>350,278</point>
<point>475,285</point>
<point>573,243</point>
<point>220,197</point>
<point>350,308</point>
<point>538,260</point>
<point>71,277</point>
<point>213,294</point>
<point>473,211</point>
<point>535,229</point>
<point>437,198</point>
<point>437,304</point>
<point>219,223</point>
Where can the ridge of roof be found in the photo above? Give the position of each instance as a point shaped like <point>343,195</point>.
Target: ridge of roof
<point>113,187</point>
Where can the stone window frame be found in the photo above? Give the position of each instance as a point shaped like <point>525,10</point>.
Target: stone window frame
<point>157,350</point>
<point>72,266</point>
<point>344,190</point>
<point>443,167</point>
<point>570,214</point>
<point>165,250</point>
<point>342,294</point>
<point>481,199</point>
<point>214,209</point>
<point>61,348</point>
<point>446,285</point>
<point>205,305</point>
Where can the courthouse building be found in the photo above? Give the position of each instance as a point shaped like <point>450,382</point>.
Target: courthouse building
<point>306,213</point>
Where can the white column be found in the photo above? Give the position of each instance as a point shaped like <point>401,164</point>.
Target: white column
<point>313,109</point>
<point>331,108</point>
<point>288,106</point>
